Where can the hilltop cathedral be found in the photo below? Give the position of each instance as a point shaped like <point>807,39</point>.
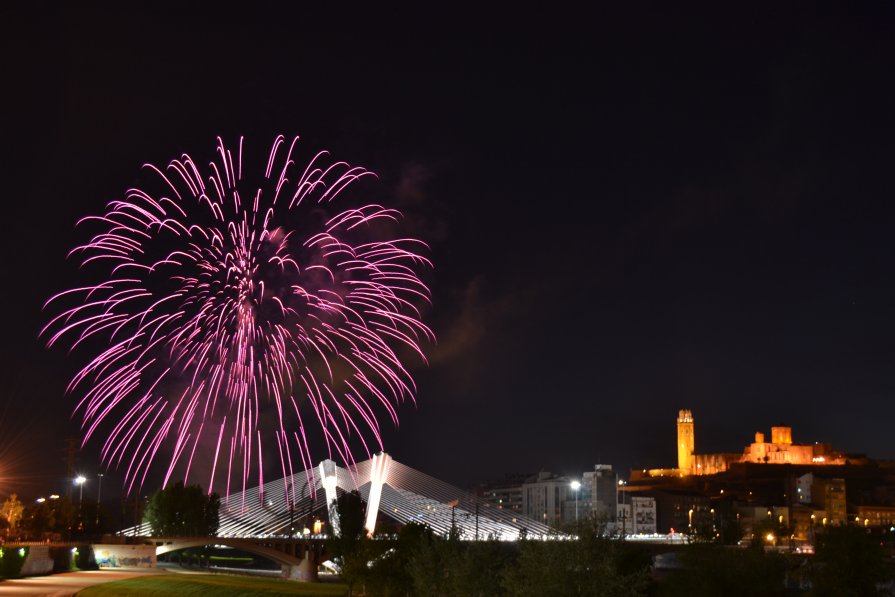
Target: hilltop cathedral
<point>780,450</point>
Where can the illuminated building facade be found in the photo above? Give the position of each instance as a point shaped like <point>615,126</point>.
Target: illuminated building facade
<point>830,494</point>
<point>686,441</point>
<point>876,516</point>
<point>780,450</point>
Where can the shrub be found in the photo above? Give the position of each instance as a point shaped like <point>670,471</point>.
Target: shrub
<point>11,560</point>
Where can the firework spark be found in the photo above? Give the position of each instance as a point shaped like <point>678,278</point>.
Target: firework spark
<point>221,300</point>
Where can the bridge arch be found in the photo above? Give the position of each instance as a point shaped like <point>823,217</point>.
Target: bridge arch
<point>302,565</point>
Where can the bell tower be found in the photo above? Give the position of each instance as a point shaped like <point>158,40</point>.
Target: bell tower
<point>685,441</point>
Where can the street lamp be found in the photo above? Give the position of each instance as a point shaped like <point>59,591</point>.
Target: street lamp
<point>290,498</point>
<point>622,483</point>
<point>99,494</point>
<point>576,485</point>
<point>79,481</point>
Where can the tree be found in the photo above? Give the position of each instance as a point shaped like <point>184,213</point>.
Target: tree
<point>592,564</point>
<point>436,565</point>
<point>12,510</point>
<point>350,546</point>
<point>450,567</point>
<point>848,561</point>
<point>183,511</point>
<point>38,519</point>
<point>57,515</point>
<point>390,574</point>
<point>715,570</point>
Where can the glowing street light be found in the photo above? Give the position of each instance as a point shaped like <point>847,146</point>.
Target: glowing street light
<point>621,483</point>
<point>576,485</point>
<point>79,481</point>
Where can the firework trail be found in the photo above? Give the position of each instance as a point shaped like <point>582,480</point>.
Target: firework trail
<point>223,300</point>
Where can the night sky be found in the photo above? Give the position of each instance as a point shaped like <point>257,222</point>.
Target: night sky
<point>629,212</point>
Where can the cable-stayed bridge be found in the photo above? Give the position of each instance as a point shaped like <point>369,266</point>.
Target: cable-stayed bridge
<point>389,488</point>
<point>266,516</point>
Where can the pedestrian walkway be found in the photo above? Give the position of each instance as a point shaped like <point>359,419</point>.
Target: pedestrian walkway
<point>68,583</point>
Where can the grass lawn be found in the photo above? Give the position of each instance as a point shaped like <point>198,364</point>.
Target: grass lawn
<point>210,585</point>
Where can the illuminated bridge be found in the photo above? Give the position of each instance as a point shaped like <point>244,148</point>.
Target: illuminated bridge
<point>389,488</point>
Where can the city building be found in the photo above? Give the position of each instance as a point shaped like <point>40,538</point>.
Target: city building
<point>751,516</point>
<point>505,494</point>
<point>636,514</point>
<point>643,515</point>
<point>554,499</point>
<point>799,488</point>
<point>805,519</point>
<point>580,502</point>
<point>603,488</point>
<point>780,450</point>
<point>544,498</point>
<point>829,494</point>
<point>804,485</point>
<point>876,516</point>
<point>679,511</point>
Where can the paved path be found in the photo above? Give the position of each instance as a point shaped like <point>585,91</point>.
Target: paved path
<point>68,583</point>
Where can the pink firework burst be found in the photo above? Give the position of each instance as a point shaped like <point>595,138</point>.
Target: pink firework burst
<point>230,314</point>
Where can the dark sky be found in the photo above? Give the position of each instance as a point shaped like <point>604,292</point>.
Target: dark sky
<point>630,212</point>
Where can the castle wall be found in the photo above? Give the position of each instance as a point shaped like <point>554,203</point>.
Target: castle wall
<point>712,464</point>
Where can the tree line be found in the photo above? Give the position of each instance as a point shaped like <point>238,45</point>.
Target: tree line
<point>848,562</point>
<point>176,510</point>
<point>59,517</point>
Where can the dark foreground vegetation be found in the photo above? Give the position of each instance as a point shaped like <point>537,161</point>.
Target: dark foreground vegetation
<point>418,563</point>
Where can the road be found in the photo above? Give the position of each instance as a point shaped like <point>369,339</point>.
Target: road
<point>68,583</point>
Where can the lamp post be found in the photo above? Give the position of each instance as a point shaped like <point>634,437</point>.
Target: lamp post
<point>621,483</point>
<point>99,495</point>
<point>576,485</point>
<point>290,497</point>
<point>477,520</point>
<point>79,481</point>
